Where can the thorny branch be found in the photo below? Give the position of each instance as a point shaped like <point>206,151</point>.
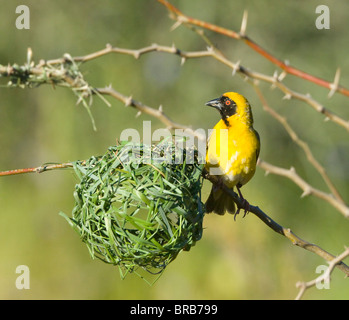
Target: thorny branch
<point>142,108</point>
<point>181,18</point>
<point>41,169</point>
<point>306,187</point>
<point>280,229</point>
<point>305,147</point>
<point>45,71</point>
<point>65,72</point>
<point>325,277</point>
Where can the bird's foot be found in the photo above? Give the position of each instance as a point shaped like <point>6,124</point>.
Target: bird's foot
<point>245,205</point>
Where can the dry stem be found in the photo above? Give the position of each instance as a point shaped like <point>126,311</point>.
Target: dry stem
<point>181,18</point>
<point>325,277</point>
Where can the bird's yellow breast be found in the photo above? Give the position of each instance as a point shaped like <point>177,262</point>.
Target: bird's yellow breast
<point>233,151</point>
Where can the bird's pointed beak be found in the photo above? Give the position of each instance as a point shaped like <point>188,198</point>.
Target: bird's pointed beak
<point>215,103</point>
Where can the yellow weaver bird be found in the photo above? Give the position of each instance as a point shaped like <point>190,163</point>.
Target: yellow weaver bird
<point>231,153</point>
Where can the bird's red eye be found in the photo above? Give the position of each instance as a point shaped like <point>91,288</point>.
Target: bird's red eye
<point>227,102</point>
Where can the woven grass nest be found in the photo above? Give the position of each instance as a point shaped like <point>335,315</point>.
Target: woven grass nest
<point>136,211</point>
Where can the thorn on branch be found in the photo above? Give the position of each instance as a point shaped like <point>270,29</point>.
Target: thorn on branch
<point>138,114</point>
<point>236,68</point>
<point>67,57</point>
<point>334,85</point>
<point>275,80</point>
<point>275,75</point>
<point>136,54</point>
<point>287,96</point>
<point>255,82</point>
<point>306,192</point>
<point>128,101</point>
<point>244,24</point>
<point>40,169</point>
<point>176,25</point>
<point>282,76</point>
<point>29,56</point>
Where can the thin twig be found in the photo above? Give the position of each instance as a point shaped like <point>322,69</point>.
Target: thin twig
<point>52,74</point>
<point>305,186</point>
<point>184,19</point>
<point>156,113</point>
<point>43,168</point>
<point>325,277</point>
<point>300,143</point>
<point>280,229</point>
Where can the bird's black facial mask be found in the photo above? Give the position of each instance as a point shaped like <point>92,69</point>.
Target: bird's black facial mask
<point>224,105</point>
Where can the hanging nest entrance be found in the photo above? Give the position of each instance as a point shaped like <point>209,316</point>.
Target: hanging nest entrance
<point>138,206</point>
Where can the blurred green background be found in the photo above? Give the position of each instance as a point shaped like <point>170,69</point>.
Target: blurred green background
<point>234,260</point>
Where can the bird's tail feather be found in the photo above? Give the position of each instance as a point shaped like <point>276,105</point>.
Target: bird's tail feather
<point>219,202</point>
